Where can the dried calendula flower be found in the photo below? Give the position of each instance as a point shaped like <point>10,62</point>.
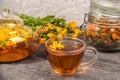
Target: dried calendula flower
<point>115,36</point>
<point>56,45</point>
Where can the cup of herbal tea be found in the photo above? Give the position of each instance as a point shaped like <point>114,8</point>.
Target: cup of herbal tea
<point>65,54</point>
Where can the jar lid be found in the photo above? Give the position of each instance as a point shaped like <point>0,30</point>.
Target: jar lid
<point>110,7</point>
<point>105,12</point>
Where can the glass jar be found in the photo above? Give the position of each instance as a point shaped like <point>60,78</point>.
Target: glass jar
<point>102,25</point>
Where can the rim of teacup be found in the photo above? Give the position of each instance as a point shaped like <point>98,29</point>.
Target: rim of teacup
<point>70,51</point>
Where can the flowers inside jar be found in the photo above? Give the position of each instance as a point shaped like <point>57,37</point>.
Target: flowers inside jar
<point>104,36</point>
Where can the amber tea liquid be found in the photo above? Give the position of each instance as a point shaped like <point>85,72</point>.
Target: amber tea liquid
<point>66,61</point>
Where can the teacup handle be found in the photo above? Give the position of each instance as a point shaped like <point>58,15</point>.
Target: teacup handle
<point>94,58</point>
<point>84,66</point>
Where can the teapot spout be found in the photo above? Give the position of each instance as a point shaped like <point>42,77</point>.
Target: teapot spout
<point>37,33</point>
<point>36,40</point>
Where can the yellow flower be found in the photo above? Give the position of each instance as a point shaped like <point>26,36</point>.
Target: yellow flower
<point>44,29</point>
<point>3,36</point>
<point>42,40</point>
<point>51,26</point>
<point>53,46</point>
<point>75,35</point>
<point>78,31</point>
<point>73,25</point>
<point>60,45</point>
<point>41,30</point>
<point>56,45</point>
<point>51,35</point>
<point>59,29</point>
<point>60,36</point>
<point>64,32</point>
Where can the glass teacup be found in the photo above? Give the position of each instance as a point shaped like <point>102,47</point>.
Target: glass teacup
<point>65,54</point>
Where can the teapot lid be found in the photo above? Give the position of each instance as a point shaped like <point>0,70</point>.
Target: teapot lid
<point>10,19</point>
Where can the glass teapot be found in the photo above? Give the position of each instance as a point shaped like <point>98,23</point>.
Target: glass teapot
<point>102,25</point>
<point>17,41</point>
